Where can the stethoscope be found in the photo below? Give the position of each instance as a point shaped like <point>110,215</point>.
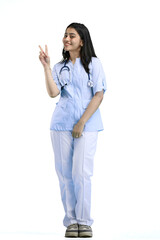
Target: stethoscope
<point>90,82</point>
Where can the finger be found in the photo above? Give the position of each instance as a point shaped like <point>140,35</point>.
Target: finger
<point>43,55</point>
<point>73,134</point>
<point>42,51</point>
<point>46,49</point>
<point>76,135</point>
<point>41,48</point>
<point>79,135</point>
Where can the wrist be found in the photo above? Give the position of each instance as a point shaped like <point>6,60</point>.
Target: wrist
<point>81,122</point>
<point>47,67</point>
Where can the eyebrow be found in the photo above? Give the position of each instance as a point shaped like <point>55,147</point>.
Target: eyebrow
<point>70,33</point>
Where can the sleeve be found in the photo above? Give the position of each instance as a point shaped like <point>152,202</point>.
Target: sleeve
<point>98,77</point>
<point>55,77</point>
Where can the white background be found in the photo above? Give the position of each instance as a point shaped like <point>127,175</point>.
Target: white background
<point>126,181</point>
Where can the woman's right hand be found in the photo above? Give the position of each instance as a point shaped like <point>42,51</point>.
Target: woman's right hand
<point>43,57</point>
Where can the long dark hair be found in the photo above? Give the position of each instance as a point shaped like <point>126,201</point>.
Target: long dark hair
<point>87,50</point>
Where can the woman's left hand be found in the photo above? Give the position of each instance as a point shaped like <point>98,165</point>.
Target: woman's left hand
<point>77,130</point>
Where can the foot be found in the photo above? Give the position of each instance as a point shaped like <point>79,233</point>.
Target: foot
<point>84,231</point>
<point>72,230</point>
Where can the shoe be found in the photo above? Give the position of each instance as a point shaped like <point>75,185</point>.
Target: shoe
<point>84,231</point>
<point>72,230</point>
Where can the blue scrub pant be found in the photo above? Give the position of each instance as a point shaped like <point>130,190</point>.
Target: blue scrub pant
<point>74,167</point>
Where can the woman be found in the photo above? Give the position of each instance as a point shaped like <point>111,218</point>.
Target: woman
<point>80,80</point>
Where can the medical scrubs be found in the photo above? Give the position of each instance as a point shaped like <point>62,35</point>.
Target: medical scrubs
<point>74,156</point>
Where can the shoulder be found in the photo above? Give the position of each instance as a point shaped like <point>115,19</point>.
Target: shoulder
<point>96,64</point>
<point>95,60</point>
<point>57,66</point>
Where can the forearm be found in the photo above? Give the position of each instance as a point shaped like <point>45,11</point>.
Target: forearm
<point>51,86</point>
<point>92,107</point>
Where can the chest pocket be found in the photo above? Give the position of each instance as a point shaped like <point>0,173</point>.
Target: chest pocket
<point>61,104</point>
<point>65,76</point>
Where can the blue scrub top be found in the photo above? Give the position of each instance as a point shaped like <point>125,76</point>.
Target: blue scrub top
<point>75,95</point>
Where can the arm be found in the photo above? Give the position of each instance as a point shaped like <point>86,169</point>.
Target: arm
<point>92,107</point>
<point>51,86</point>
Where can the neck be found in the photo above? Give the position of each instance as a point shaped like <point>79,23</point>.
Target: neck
<point>74,55</point>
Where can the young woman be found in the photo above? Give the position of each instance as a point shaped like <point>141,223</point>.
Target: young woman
<point>80,80</point>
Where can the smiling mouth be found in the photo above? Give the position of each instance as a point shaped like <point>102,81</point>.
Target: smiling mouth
<point>67,44</point>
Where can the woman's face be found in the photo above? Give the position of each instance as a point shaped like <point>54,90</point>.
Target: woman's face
<point>72,40</point>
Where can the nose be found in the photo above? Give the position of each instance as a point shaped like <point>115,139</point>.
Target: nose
<point>67,38</point>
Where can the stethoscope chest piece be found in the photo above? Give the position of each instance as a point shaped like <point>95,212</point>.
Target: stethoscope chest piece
<point>90,83</point>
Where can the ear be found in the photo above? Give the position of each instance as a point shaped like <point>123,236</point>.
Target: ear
<point>81,43</point>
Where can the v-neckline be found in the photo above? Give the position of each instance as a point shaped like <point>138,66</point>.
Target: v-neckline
<point>75,61</point>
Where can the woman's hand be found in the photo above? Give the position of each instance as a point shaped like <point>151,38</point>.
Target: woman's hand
<point>77,130</point>
<point>43,57</point>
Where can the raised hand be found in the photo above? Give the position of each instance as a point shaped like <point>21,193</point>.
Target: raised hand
<point>43,57</point>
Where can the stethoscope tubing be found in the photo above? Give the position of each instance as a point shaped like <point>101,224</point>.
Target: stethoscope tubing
<point>90,83</point>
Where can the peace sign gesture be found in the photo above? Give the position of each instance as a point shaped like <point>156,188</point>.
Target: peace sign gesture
<point>43,57</point>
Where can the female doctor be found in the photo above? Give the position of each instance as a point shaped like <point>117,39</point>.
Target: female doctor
<point>80,80</point>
